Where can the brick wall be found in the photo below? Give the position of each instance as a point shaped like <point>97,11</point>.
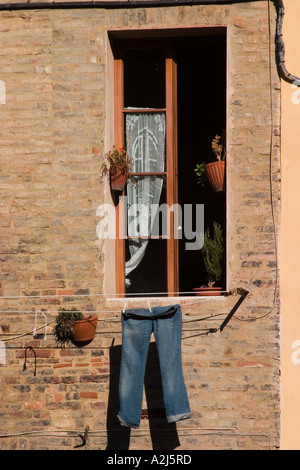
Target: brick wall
<point>54,65</point>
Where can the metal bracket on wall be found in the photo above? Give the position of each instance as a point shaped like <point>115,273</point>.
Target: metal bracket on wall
<point>243,294</point>
<point>83,438</point>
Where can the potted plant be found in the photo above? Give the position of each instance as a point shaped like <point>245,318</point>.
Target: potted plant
<point>117,165</point>
<point>200,172</point>
<point>72,325</point>
<point>215,171</point>
<point>212,253</point>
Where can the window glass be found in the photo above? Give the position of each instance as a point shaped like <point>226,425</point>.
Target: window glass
<point>150,276</point>
<point>145,141</point>
<point>146,192</point>
<point>144,79</point>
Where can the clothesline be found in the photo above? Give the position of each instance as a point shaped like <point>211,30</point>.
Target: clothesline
<point>183,303</point>
<point>185,319</point>
<point>122,296</point>
<point>94,311</point>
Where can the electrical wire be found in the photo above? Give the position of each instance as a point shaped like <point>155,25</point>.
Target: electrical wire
<point>275,229</point>
<point>183,432</point>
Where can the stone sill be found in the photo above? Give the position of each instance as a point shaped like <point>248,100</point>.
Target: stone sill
<point>164,300</point>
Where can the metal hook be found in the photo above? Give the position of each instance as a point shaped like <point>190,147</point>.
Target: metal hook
<point>35,324</point>
<point>24,366</point>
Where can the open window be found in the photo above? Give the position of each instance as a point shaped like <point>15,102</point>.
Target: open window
<point>170,101</point>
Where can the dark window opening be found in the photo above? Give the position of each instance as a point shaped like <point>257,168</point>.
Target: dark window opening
<point>201,115</point>
<point>144,78</point>
<point>172,97</point>
<point>150,276</point>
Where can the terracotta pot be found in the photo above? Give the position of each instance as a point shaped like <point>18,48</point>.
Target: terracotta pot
<point>118,181</point>
<point>207,291</point>
<point>215,173</point>
<point>84,330</point>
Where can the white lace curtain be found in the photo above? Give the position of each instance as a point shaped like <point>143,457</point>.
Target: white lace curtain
<point>146,134</point>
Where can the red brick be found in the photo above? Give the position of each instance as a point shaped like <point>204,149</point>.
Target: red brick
<point>34,405</point>
<point>240,22</point>
<point>65,292</point>
<point>59,397</point>
<point>60,366</point>
<point>88,395</point>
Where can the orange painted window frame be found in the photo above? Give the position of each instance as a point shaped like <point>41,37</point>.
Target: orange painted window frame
<point>171,153</point>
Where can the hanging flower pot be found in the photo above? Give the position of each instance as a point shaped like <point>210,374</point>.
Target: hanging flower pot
<point>84,330</point>
<point>118,180</point>
<point>215,173</point>
<point>116,164</point>
<point>72,325</point>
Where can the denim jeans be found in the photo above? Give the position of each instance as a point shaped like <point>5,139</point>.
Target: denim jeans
<point>137,327</point>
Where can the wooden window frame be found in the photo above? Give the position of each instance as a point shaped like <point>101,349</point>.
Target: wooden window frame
<point>171,153</point>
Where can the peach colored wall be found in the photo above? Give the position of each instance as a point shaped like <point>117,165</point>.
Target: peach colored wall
<point>289,236</point>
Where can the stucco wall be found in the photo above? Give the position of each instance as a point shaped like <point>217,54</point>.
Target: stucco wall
<point>55,64</point>
<point>289,229</point>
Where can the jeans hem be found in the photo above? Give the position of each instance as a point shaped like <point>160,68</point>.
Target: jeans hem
<point>127,425</point>
<point>174,418</point>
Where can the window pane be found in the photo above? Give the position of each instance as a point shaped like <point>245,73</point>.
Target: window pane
<point>146,206</point>
<point>150,276</point>
<point>145,224</point>
<point>145,140</point>
<point>144,79</point>
<point>145,136</point>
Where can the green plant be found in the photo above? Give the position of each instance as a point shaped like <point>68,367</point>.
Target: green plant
<point>212,252</point>
<point>64,323</point>
<point>200,169</point>
<point>116,160</point>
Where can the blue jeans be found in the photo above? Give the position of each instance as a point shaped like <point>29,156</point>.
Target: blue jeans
<point>137,326</point>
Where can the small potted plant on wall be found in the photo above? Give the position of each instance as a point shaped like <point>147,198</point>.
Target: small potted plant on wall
<point>116,164</point>
<point>215,171</point>
<point>212,253</point>
<point>72,325</point>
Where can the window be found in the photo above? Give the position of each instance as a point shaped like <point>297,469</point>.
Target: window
<point>163,118</point>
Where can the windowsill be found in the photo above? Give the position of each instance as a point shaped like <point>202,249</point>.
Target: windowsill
<point>166,300</point>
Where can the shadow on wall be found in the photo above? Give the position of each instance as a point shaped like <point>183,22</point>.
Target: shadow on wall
<point>163,435</point>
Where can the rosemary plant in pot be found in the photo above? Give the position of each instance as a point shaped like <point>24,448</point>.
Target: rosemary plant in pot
<point>72,325</point>
<point>212,253</point>
<point>116,164</point>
